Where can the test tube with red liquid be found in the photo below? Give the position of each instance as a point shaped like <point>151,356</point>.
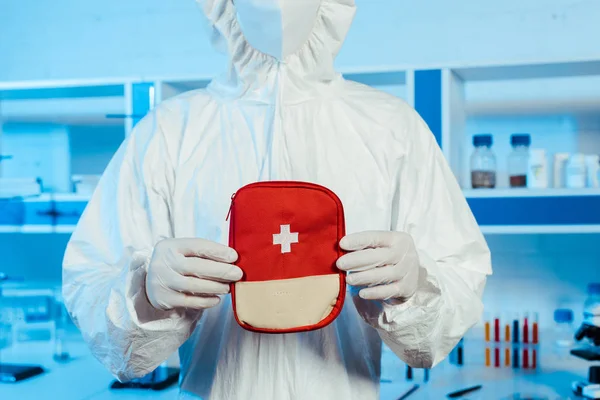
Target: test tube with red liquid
<point>497,341</point>
<point>487,333</point>
<point>526,341</point>
<point>534,340</point>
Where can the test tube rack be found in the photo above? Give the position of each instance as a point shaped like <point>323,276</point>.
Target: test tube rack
<point>512,342</point>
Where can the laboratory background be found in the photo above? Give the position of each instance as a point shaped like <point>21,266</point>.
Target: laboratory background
<point>510,89</point>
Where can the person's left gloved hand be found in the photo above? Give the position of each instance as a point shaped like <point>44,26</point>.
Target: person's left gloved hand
<point>385,264</point>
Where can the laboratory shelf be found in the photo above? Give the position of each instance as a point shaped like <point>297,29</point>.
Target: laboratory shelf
<point>60,197</point>
<point>541,96</point>
<point>397,82</point>
<point>48,228</point>
<point>532,70</point>
<point>47,213</point>
<point>508,192</point>
<point>498,211</point>
<point>506,211</point>
<point>63,229</point>
<point>538,229</point>
<point>551,101</point>
<point>66,104</point>
<point>557,103</point>
<point>168,88</point>
<point>10,229</point>
<point>455,100</point>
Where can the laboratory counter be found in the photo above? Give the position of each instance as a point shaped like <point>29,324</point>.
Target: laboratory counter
<point>83,378</point>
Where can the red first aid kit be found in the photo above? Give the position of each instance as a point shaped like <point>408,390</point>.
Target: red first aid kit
<point>287,237</point>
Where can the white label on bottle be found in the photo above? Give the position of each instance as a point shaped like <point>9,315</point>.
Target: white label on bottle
<point>537,177</point>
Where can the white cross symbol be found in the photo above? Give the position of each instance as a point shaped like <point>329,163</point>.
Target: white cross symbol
<point>285,238</point>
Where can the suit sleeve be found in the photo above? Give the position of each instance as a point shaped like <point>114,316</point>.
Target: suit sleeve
<point>453,255</point>
<point>106,260</point>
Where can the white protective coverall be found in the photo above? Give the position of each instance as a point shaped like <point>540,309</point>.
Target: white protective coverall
<point>280,112</point>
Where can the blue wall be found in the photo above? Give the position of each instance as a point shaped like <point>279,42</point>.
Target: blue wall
<point>69,39</point>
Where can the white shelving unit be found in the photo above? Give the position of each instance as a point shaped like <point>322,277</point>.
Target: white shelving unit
<point>559,96</point>
<point>539,229</point>
<point>48,213</point>
<point>65,103</point>
<point>520,193</point>
<point>167,88</point>
<point>558,104</point>
<point>54,125</point>
<point>564,96</point>
<point>397,82</point>
<point>540,195</point>
<point>110,103</point>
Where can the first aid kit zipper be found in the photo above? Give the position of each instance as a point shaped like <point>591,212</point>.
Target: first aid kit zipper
<point>230,206</point>
<point>288,184</point>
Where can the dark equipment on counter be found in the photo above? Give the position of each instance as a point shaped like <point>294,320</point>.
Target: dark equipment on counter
<point>457,354</point>
<point>462,392</point>
<point>590,351</point>
<point>10,373</point>
<point>409,392</point>
<point>160,379</point>
<point>588,331</point>
<point>594,376</point>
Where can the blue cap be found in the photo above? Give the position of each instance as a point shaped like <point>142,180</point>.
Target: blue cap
<point>593,288</point>
<point>482,140</point>
<point>563,315</point>
<point>520,139</point>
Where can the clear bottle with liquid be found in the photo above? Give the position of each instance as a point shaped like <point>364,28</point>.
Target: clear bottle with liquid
<point>563,332</point>
<point>483,163</point>
<point>518,160</point>
<point>61,318</point>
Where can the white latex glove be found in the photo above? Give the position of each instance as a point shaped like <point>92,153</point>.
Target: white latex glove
<point>190,273</point>
<point>385,264</point>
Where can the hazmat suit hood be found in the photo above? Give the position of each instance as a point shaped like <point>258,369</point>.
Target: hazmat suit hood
<point>298,38</point>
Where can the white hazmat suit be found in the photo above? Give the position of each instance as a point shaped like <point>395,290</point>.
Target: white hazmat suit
<point>280,112</point>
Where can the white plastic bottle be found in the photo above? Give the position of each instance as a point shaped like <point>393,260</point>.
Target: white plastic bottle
<point>576,173</point>
<point>537,171</point>
<point>592,163</point>
<point>560,162</point>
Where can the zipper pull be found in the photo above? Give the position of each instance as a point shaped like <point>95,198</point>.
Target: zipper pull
<point>230,207</point>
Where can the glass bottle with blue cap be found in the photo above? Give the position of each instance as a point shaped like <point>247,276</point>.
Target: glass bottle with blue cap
<point>518,160</point>
<point>563,331</point>
<point>483,163</point>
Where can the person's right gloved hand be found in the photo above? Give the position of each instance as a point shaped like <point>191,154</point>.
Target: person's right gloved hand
<point>190,273</point>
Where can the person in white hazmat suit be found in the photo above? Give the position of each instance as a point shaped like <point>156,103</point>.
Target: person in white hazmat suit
<point>146,272</point>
